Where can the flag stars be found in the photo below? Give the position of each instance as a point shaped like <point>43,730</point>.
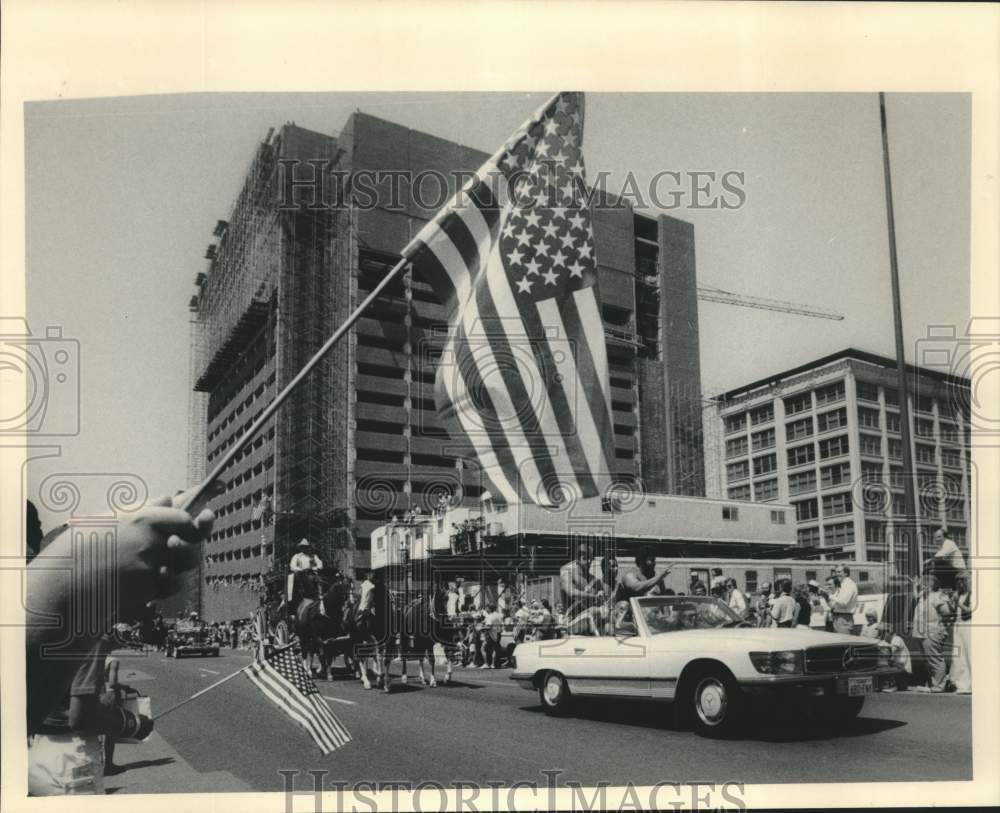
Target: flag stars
<point>567,240</point>
<point>532,267</point>
<point>514,257</point>
<point>524,285</point>
<point>550,277</point>
<point>551,229</point>
<point>523,238</point>
<point>586,250</point>
<point>532,218</point>
<point>551,128</point>
<point>559,259</point>
<point>576,270</point>
<point>577,221</point>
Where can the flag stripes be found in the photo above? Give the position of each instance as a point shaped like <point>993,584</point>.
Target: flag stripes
<point>524,378</point>
<point>283,679</point>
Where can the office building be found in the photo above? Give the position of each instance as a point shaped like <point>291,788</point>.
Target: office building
<point>825,437</point>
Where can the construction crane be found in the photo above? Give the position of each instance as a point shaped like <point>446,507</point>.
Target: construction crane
<point>762,303</point>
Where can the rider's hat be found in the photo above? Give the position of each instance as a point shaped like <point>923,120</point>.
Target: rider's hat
<point>304,543</point>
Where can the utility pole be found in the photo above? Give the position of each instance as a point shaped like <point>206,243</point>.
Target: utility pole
<point>907,532</point>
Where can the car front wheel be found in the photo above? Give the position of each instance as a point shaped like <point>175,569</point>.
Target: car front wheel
<point>554,694</point>
<point>717,704</point>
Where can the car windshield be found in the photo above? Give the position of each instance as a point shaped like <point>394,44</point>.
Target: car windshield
<point>673,613</point>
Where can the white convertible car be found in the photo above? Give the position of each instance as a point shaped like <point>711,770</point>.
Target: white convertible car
<point>697,653</point>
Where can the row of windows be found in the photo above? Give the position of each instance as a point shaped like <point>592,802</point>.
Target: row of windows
<point>831,447</point>
<point>246,403</point>
<point>762,491</point>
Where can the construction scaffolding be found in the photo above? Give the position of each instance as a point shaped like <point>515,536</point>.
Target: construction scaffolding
<point>241,278</point>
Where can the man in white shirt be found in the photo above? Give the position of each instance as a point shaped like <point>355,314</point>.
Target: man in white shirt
<point>784,609</point>
<point>844,601</point>
<point>948,562</point>
<point>305,558</point>
<point>817,619</point>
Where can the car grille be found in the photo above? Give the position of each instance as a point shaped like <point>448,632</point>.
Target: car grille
<point>821,660</point>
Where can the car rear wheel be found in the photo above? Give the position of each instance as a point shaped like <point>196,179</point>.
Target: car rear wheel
<point>717,703</point>
<point>554,694</point>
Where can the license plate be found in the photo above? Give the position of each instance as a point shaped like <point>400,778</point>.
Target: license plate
<point>859,687</point>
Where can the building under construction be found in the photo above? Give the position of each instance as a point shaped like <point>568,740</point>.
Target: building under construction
<point>359,440</point>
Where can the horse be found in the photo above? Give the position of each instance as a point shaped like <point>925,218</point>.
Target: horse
<point>422,627</point>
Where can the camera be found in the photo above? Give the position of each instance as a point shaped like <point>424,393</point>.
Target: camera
<point>49,371</point>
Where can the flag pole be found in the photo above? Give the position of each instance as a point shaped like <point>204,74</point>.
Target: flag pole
<point>194,498</point>
<point>198,694</point>
<point>911,525</point>
<point>215,685</point>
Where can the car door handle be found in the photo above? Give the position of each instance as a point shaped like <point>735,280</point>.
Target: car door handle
<point>579,651</point>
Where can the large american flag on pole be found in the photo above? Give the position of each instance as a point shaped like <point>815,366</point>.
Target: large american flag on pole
<point>523,378</point>
<point>283,679</point>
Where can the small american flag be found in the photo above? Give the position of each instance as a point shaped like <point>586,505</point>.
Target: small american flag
<point>523,378</point>
<point>284,680</point>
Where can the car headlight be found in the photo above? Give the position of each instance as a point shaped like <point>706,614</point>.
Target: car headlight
<point>777,663</point>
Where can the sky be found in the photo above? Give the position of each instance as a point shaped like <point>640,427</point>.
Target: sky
<point>122,196</point>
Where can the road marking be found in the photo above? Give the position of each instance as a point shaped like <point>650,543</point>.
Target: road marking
<point>339,700</point>
<point>203,669</point>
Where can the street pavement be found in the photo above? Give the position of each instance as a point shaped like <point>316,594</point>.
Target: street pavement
<point>483,727</point>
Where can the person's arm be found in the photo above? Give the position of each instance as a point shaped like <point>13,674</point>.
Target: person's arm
<point>152,548</point>
<point>112,679</point>
<point>638,585</point>
<point>572,584</point>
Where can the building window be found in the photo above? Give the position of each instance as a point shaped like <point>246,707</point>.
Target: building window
<point>762,414</point>
<point>765,464</point>
<point>840,534</point>
<point>738,471</point>
<point>799,403</point>
<point>891,397</point>
<point>925,454</point>
<point>949,433</point>
<point>730,513</point>
<point>806,510</point>
<point>750,581</point>
<point>802,428</point>
<point>736,447</point>
<point>827,421</point>
<point>952,458</point>
<point>740,493</point>
<point>868,417</point>
<point>807,536</point>
<point>734,423</point>
<point>763,440</point>
<point>801,455</point>
<point>874,532</point>
<point>836,504</point>
<point>867,392</point>
<point>834,447</point>
<point>830,394</point>
<point>892,423</point>
<point>923,428</point>
<point>799,483</point>
<point>924,403</point>
<point>895,449</point>
<point>777,517</point>
<point>765,490</point>
<point>835,475</point>
<point>862,576</point>
<point>870,445</point>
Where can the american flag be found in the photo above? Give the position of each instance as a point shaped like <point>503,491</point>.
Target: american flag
<point>284,680</point>
<point>523,378</point>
